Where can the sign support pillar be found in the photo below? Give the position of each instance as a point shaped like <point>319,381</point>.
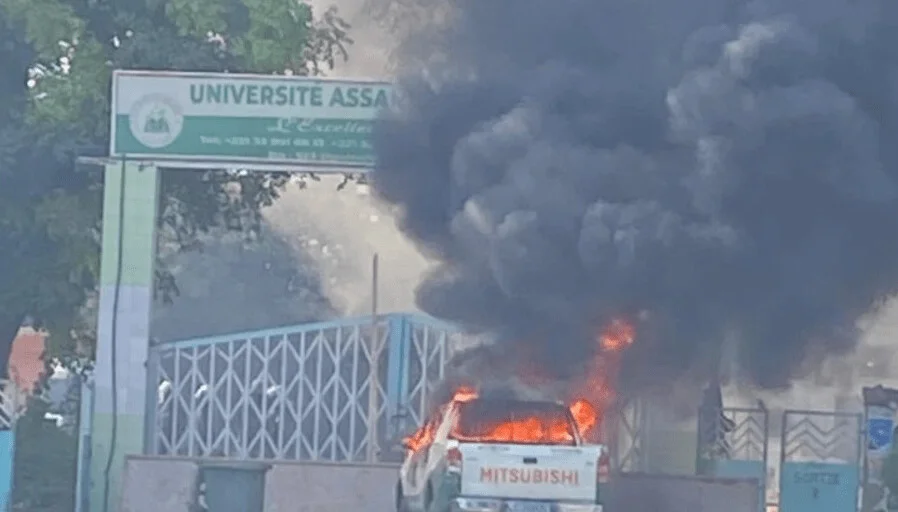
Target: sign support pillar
<point>169,119</point>
<point>126,295</point>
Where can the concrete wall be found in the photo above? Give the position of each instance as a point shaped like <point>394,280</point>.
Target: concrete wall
<point>152,484</point>
<point>637,492</point>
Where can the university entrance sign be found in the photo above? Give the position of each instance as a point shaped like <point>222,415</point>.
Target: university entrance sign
<point>192,121</point>
<point>198,118</point>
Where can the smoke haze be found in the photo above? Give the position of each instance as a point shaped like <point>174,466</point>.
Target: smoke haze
<point>350,227</point>
<point>313,260</point>
<point>233,286</point>
<point>723,171</point>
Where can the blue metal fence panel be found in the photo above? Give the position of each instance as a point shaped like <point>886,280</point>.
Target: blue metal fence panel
<point>397,369</point>
<point>820,461</point>
<point>296,393</point>
<point>85,421</point>
<point>818,487</point>
<point>431,344</point>
<point>7,455</point>
<point>733,444</point>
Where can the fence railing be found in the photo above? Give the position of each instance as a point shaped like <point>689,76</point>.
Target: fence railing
<point>12,403</point>
<point>343,390</point>
<point>820,461</point>
<point>297,393</point>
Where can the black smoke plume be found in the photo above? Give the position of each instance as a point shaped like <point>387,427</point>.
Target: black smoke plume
<point>724,170</point>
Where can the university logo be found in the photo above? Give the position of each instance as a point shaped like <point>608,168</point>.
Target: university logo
<point>156,121</point>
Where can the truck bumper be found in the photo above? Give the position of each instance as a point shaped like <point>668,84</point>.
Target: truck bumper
<point>462,504</point>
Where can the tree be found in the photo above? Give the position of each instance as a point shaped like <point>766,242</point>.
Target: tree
<point>67,49</point>
<point>41,263</point>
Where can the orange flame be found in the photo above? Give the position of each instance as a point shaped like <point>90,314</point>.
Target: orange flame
<point>594,395</point>
<point>464,394</point>
<point>617,336</point>
<point>421,438</point>
<point>425,435</point>
<point>585,416</point>
<point>526,430</point>
<point>595,392</point>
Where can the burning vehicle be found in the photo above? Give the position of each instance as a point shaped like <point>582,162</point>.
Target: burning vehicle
<point>492,448</point>
<point>497,453</point>
<point>731,173</point>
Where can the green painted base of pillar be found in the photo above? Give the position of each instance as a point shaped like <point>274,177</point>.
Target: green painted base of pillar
<point>126,278</point>
<point>128,441</point>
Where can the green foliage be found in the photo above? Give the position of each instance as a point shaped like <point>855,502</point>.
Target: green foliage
<point>67,49</point>
<point>284,35</point>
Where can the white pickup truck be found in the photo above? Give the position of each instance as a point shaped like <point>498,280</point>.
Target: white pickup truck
<point>500,455</point>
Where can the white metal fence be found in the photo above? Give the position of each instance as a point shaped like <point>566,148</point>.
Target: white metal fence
<point>297,393</point>
<point>12,403</point>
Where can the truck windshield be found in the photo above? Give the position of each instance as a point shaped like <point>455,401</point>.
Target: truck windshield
<point>514,421</point>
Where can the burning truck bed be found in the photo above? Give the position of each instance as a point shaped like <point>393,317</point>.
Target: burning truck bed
<point>515,439</point>
<point>512,420</point>
<point>483,454</point>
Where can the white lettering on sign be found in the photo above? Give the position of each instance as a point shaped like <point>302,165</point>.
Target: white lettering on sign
<point>256,118</point>
<point>309,125</point>
<point>817,478</point>
<point>529,476</point>
<point>342,96</point>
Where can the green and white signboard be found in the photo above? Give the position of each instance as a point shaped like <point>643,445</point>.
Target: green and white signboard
<point>197,118</point>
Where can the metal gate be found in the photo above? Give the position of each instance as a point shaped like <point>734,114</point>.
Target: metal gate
<point>302,392</point>
<point>625,439</point>
<point>296,393</point>
<point>12,403</point>
<point>85,422</point>
<point>820,461</point>
<point>732,443</point>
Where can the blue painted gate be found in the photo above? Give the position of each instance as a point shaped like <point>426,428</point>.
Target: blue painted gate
<point>820,461</point>
<point>732,443</point>
<point>337,391</point>
<point>7,456</point>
